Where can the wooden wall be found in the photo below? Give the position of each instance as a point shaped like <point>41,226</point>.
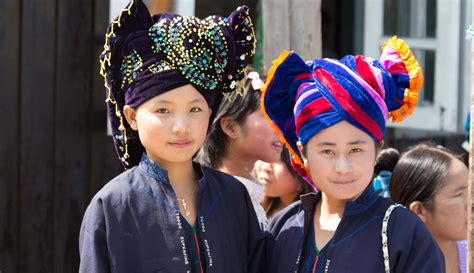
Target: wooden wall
<point>54,151</point>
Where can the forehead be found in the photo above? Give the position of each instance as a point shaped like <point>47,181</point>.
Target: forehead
<point>183,94</point>
<point>458,174</point>
<point>341,133</point>
<point>255,116</point>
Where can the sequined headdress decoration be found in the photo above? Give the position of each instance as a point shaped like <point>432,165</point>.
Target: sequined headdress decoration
<point>145,56</point>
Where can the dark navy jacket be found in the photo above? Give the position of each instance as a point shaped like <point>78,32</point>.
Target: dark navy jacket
<point>356,246</point>
<point>133,225</point>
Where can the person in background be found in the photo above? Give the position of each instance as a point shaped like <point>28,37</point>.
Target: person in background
<point>239,136</point>
<point>384,162</point>
<point>282,185</point>
<point>433,182</point>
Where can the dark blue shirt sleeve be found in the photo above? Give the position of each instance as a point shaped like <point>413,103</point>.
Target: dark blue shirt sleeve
<point>411,246</point>
<point>93,247</point>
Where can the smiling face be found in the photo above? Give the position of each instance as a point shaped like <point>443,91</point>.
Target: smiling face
<point>172,126</point>
<point>341,161</point>
<point>448,218</point>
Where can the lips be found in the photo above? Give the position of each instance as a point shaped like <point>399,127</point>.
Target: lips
<point>265,181</point>
<point>180,143</point>
<point>343,182</point>
<point>277,144</point>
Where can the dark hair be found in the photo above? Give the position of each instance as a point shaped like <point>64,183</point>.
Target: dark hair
<point>236,106</point>
<point>420,173</point>
<point>386,160</point>
<point>269,204</point>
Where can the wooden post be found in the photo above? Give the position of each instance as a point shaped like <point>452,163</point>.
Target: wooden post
<point>470,245</point>
<point>291,25</point>
<point>158,6</point>
<point>470,215</point>
<point>9,139</point>
<point>276,29</point>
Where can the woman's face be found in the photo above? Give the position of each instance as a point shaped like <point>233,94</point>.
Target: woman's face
<point>277,179</point>
<point>256,139</point>
<point>172,126</point>
<point>448,218</point>
<point>341,161</point>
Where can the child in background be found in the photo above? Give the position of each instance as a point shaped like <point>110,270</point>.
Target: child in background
<point>239,137</point>
<point>331,115</point>
<point>385,161</point>
<point>433,183</point>
<point>165,213</point>
<point>282,185</point>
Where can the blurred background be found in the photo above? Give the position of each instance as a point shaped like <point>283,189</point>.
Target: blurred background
<point>55,153</point>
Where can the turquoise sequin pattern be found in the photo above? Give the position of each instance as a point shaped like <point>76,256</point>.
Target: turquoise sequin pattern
<point>199,48</point>
<point>131,66</point>
<point>196,47</point>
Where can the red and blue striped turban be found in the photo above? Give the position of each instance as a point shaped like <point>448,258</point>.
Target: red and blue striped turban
<point>301,99</point>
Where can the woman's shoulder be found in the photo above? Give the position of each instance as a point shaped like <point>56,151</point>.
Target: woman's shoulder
<point>401,215</point>
<point>289,216</point>
<point>397,213</point>
<point>119,186</point>
<point>405,227</point>
<point>411,244</point>
<point>396,210</point>
<point>218,178</point>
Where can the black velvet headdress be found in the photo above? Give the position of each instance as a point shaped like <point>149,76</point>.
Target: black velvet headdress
<point>145,56</point>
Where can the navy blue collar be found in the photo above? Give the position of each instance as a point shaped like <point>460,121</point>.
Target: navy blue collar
<point>153,169</point>
<point>362,203</point>
<point>161,174</point>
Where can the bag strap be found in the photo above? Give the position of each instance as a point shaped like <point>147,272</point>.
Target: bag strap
<point>386,260</point>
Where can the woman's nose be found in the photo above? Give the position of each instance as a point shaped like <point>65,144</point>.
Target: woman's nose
<point>343,165</point>
<point>180,126</point>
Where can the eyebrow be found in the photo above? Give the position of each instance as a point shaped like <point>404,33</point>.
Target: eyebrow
<point>460,188</point>
<point>357,142</point>
<point>164,101</point>
<point>197,100</point>
<point>327,143</point>
<point>190,102</point>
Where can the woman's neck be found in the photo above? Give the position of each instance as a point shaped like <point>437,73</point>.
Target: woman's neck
<point>451,255</point>
<point>237,165</point>
<point>327,216</point>
<point>287,199</point>
<point>332,206</point>
<point>329,212</point>
<point>183,178</point>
